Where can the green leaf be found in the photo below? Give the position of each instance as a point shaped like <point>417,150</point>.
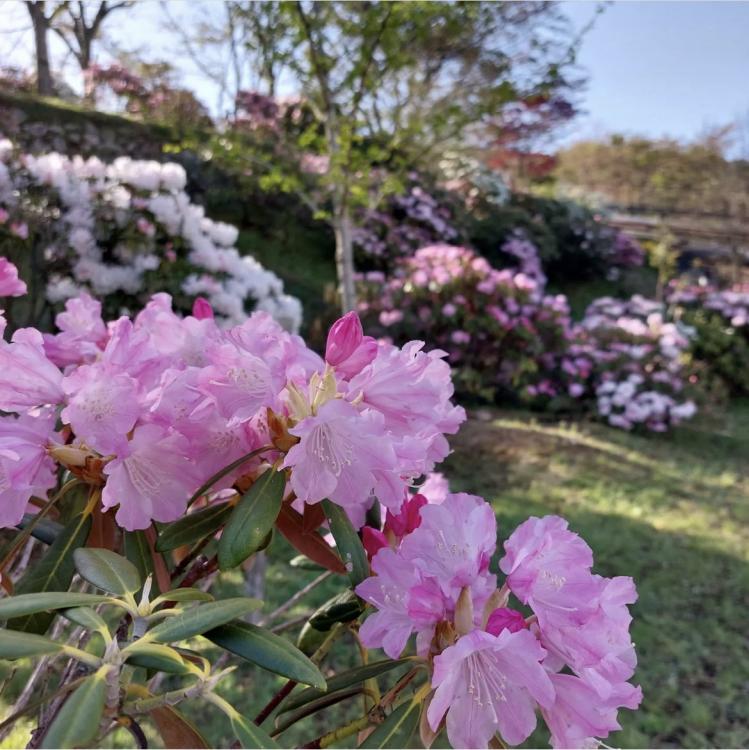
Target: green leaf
<point>343,680</point>
<point>324,700</point>
<point>16,645</point>
<point>183,595</point>
<point>87,618</point>
<point>397,728</point>
<point>77,722</point>
<point>193,527</point>
<point>268,651</point>
<point>251,520</point>
<point>53,572</point>
<point>44,529</point>
<point>343,607</point>
<point>138,552</point>
<point>347,540</point>
<point>156,656</point>
<point>107,570</point>
<point>250,735</point>
<point>197,620</point>
<point>29,604</point>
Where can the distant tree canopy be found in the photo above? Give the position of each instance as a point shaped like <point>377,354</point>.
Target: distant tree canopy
<point>659,175</point>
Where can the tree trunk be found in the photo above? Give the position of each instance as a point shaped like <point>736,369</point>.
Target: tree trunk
<point>40,22</point>
<point>344,258</point>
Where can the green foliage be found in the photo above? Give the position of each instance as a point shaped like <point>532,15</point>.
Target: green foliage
<point>348,543</point>
<point>107,570</point>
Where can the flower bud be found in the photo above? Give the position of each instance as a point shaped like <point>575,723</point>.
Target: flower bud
<point>464,612</point>
<point>344,337</point>
<point>505,619</point>
<point>201,309</point>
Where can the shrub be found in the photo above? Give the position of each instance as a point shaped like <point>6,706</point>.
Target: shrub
<point>124,231</point>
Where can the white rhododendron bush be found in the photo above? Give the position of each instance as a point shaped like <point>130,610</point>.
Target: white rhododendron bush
<point>141,456</point>
<point>125,230</point>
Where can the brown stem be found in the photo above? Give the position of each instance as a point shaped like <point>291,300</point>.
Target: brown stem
<point>202,567</point>
<point>274,701</point>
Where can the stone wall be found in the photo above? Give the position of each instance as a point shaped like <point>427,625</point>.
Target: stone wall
<point>40,125</point>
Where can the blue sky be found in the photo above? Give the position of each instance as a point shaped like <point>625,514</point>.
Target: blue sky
<point>655,68</point>
<point>663,68</point>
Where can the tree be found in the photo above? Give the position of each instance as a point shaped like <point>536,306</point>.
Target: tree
<point>41,24</point>
<point>392,84</point>
<point>79,33</point>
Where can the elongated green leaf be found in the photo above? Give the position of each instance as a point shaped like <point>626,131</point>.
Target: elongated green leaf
<point>138,553</point>
<point>343,680</point>
<point>197,620</point>
<point>77,722</point>
<point>226,470</point>
<point>29,604</point>
<point>397,727</point>
<point>250,735</point>
<point>15,645</point>
<point>251,520</point>
<point>107,570</point>
<point>45,530</point>
<point>87,618</point>
<point>347,540</point>
<point>156,656</point>
<point>310,639</point>
<point>193,527</point>
<point>268,651</point>
<point>325,700</point>
<point>53,572</point>
<point>343,607</point>
<point>184,595</point>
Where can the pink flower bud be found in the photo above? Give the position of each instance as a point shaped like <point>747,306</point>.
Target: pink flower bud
<point>345,336</point>
<point>409,517</point>
<point>201,309</point>
<point>373,541</point>
<point>505,618</point>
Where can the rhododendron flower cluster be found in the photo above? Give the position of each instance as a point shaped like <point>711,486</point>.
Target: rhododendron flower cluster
<point>127,229</point>
<point>493,667</point>
<point>160,403</point>
<point>498,327</point>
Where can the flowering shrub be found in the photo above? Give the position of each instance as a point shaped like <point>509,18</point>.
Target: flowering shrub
<point>110,427</point>
<point>720,322</point>
<point>407,222</point>
<point>498,327</point>
<point>125,230</point>
<point>633,360</point>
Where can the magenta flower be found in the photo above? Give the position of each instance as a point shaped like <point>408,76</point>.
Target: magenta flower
<point>578,717</point>
<point>391,625</point>
<point>340,456</point>
<point>504,618</point>
<point>26,470</point>
<point>27,378</point>
<point>347,348</point>
<point>488,683</point>
<point>454,544</point>
<point>548,567</point>
<point>238,383</point>
<point>152,481</point>
<point>103,406</point>
<point>10,284</point>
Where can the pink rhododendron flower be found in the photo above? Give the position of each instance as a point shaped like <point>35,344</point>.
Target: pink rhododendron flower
<point>103,406</point>
<point>486,683</point>
<point>152,481</point>
<point>340,453</point>
<point>548,567</point>
<point>504,618</point>
<point>347,348</point>
<point>10,284</point>
<point>578,718</point>
<point>27,378</point>
<point>82,336</point>
<point>454,543</point>
<point>26,470</point>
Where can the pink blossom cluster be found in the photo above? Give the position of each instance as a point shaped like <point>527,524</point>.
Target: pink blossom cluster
<point>256,111</point>
<point>124,230</point>
<point>497,326</point>
<point>160,403</point>
<point>526,255</point>
<point>492,667</point>
<point>732,303</point>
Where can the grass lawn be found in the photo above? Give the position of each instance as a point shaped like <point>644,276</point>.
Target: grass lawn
<point>672,511</point>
